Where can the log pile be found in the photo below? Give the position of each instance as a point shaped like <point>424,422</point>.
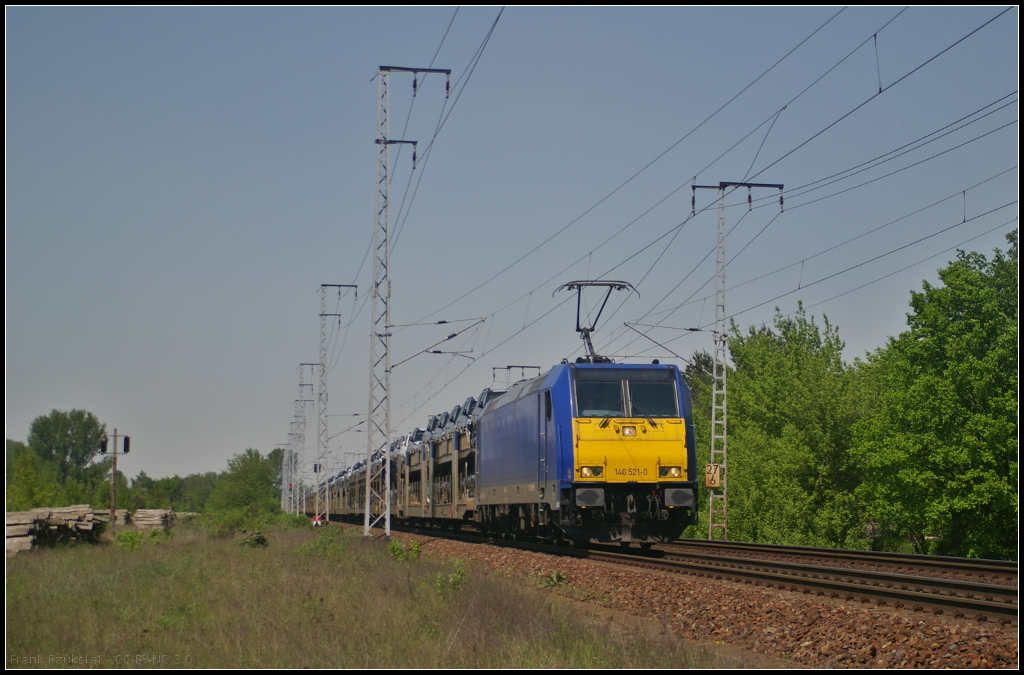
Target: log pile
<point>20,529</point>
<point>148,519</point>
<point>48,524</point>
<point>120,516</point>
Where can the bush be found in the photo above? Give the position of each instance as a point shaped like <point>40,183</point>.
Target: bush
<point>128,539</point>
<point>399,554</point>
<point>324,545</point>
<point>255,539</point>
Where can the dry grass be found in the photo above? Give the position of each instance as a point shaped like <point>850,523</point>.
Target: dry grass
<point>307,600</point>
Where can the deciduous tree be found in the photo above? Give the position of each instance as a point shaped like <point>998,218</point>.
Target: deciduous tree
<point>940,450</point>
<point>70,441</point>
<point>248,486</point>
<point>792,403</point>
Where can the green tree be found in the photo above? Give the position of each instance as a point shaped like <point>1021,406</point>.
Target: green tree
<point>276,459</point>
<point>69,441</point>
<point>30,482</point>
<point>792,405</point>
<point>940,449</point>
<point>196,489</point>
<point>247,486</point>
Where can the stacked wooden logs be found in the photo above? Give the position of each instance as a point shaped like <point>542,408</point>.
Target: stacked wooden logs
<point>147,519</point>
<point>50,524</point>
<point>120,516</point>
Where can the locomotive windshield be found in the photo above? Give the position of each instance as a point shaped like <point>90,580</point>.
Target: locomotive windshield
<point>626,393</point>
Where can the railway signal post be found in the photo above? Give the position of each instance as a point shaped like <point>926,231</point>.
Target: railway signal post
<point>112,449</point>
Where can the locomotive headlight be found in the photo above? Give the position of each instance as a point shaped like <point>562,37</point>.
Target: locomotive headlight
<point>591,471</point>
<point>629,431</point>
<point>670,471</point>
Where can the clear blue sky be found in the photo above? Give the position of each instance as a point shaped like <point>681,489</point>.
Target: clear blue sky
<point>180,181</point>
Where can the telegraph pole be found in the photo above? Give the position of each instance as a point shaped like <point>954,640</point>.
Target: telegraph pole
<point>378,427</point>
<point>715,473</point>
<point>322,504</point>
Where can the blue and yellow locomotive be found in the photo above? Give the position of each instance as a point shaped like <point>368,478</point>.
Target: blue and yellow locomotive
<point>592,452</point>
<point>595,452</point>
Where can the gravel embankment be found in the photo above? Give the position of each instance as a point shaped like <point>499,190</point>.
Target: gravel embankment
<point>807,631</point>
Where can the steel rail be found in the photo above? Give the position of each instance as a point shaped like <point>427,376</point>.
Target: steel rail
<point>1000,569</point>
<point>960,599</point>
<point>822,582</point>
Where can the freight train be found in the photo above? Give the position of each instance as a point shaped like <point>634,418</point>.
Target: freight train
<point>586,452</point>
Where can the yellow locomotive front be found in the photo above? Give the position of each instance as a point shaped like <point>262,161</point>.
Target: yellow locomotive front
<point>633,454</point>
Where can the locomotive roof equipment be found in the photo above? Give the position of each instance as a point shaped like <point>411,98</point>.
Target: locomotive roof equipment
<point>584,330</point>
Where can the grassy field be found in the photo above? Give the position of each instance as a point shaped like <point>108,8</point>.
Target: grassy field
<point>308,599</point>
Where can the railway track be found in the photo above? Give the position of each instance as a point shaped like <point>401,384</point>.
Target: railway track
<point>1001,572</point>
<point>951,597</point>
<point>898,581</point>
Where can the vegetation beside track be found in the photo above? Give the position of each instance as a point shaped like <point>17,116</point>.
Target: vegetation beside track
<point>306,599</point>
<point>912,449</point>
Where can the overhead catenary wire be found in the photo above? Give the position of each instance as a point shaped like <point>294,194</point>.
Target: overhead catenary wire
<point>659,157</point>
<point>861,286</point>
<point>834,246</point>
<point>428,149</point>
<point>631,178</point>
<point>882,91</point>
<point>369,243</point>
<point>872,259</point>
<point>673,231</point>
<point>878,257</point>
<point>792,207</point>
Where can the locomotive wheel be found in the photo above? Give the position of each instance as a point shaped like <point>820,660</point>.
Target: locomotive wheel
<point>625,544</point>
<point>646,545</point>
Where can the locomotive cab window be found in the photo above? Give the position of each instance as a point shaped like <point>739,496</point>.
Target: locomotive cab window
<point>626,393</point>
<point>653,399</point>
<point>600,399</point>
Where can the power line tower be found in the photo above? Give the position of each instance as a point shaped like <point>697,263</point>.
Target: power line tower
<point>286,478</point>
<point>716,473</point>
<point>297,436</point>
<point>378,427</point>
<point>322,505</point>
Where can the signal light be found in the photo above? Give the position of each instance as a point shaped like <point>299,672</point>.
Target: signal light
<point>127,442</point>
<point>103,445</point>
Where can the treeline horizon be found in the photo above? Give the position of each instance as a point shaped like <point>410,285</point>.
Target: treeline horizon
<point>61,465</point>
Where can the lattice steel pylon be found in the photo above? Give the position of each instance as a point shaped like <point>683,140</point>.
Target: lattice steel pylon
<point>322,502</point>
<point>378,420</point>
<point>717,504</point>
<point>718,516</point>
<point>286,478</point>
<point>294,457</point>
<point>297,436</point>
